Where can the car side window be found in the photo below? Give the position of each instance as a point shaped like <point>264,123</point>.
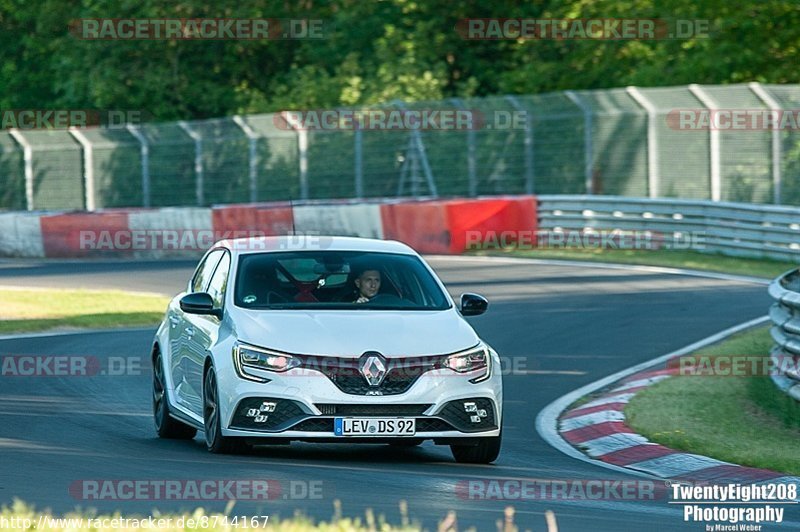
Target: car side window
<point>205,270</point>
<point>219,281</point>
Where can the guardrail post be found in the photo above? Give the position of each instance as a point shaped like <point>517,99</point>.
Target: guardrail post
<point>587,139</point>
<point>652,140</point>
<point>88,167</point>
<point>144,151</point>
<point>252,143</point>
<point>472,177</point>
<point>773,106</point>
<point>528,145</point>
<point>716,175</point>
<point>27,160</point>
<point>198,160</point>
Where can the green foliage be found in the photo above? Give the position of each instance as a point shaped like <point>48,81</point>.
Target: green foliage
<point>373,52</point>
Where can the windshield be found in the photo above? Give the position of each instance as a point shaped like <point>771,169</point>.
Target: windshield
<point>336,280</point>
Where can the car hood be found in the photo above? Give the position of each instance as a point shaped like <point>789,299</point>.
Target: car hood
<point>352,332</point>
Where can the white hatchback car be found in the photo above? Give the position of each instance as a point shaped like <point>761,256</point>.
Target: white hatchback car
<point>325,339</point>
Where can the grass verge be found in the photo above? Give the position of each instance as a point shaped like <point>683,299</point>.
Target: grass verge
<point>692,260</point>
<point>29,310</point>
<point>744,420</point>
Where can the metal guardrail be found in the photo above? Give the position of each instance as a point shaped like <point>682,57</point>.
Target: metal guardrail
<point>739,229</point>
<point>785,315</point>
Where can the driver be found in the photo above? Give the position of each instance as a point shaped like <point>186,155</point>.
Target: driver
<point>368,283</point>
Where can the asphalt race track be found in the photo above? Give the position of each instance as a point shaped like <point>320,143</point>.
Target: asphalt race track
<point>559,326</point>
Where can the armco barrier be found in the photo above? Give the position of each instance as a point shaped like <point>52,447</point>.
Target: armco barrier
<point>739,229</point>
<point>785,331</point>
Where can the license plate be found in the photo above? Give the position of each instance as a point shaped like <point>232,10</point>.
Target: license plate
<point>372,426</point>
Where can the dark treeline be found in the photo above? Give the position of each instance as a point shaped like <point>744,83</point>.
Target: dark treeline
<point>372,52</point>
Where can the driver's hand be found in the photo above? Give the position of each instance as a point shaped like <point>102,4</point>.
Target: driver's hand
<point>362,299</point>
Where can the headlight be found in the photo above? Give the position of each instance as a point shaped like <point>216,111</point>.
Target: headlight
<point>475,359</point>
<point>256,357</point>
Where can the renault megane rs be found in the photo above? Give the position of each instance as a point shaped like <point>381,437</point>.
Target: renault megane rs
<point>324,339</point>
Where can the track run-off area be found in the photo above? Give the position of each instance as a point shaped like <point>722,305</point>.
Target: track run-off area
<point>557,326</point>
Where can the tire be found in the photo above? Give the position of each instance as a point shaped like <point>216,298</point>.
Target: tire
<point>215,441</point>
<point>166,426</point>
<point>485,451</point>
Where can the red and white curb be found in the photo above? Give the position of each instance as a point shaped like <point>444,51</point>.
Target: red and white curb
<point>596,431</point>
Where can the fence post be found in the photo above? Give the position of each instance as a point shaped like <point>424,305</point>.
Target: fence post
<point>198,160</point>
<point>773,105</point>
<point>88,167</point>
<point>416,139</point>
<point>716,175</point>
<point>358,162</point>
<point>27,160</point>
<point>527,143</point>
<point>472,179</point>
<point>302,151</point>
<point>652,140</point>
<point>252,142</point>
<point>587,139</point>
<point>144,151</point>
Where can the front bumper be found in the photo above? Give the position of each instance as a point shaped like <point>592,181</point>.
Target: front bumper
<point>302,404</point>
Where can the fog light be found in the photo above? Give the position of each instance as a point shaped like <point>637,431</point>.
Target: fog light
<point>252,412</point>
<point>261,419</point>
<point>470,407</point>
<point>482,412</point>
<point>266,406</point>
<point>475,419</point>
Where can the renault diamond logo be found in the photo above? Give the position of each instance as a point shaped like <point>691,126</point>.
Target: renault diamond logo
<point>373,367</point>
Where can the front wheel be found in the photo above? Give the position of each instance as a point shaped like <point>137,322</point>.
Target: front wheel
<point>166,426</point>
<point>485,451</point>
<point>215,441</point>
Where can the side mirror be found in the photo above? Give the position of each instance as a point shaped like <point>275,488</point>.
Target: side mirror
<point>473,304</point>
<point>199,303</point>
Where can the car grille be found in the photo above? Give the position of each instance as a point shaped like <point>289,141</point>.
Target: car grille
<point>456,413</point>
<point>315,425</point>
<point>401,373</point>
<point>372,410</point>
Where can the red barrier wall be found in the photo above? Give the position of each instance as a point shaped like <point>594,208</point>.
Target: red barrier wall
<point>61,234</point>
<point>268,220</point>
<point>449,226</point>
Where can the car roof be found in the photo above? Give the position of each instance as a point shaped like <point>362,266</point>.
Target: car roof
<point>267,244</point>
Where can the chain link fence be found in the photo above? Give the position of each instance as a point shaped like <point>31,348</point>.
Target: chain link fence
<point>641,142</point>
